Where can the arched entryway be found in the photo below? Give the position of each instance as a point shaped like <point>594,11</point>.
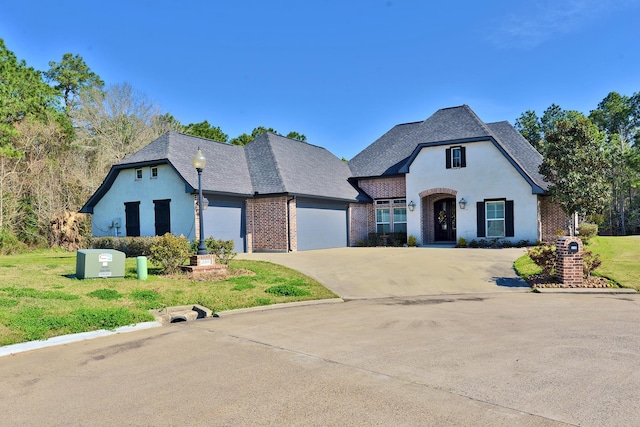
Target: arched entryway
<point>438,206</point>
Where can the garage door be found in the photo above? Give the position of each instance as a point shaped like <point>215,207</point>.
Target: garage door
<point>224,219</point>
<point>321,224</point>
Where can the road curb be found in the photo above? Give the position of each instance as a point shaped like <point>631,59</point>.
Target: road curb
<point>278,306</point>
<point>66,339</point>
<point>590,291</point>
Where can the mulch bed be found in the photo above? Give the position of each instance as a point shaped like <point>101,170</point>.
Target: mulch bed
<point>543,281</point>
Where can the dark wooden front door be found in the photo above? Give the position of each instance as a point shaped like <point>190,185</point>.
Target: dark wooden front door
<point>163,216</point>
<point>444,214</point>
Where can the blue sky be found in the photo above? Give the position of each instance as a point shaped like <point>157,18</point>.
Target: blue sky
<point>341,72</point>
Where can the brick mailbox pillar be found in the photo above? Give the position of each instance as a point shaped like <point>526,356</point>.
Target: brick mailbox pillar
<point>569,261</point>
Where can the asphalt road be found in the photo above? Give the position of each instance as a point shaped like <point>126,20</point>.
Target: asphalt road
<point>489,359</point>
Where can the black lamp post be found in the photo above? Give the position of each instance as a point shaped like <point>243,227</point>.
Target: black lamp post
<point>199,162</point>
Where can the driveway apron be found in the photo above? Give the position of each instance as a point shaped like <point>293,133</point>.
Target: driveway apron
<point>355,273</point>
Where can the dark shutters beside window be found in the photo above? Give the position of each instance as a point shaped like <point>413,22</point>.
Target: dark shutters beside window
<point>480,219</point>
<point>508,219</point>
<point>448,160</point>
<point>132,218</point>
<point>463,157</point>
<point>163,216</point>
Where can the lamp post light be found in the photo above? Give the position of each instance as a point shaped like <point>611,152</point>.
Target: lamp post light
<point>199,162</point>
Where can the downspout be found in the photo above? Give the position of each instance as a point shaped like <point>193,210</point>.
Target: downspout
<point>289,200</point>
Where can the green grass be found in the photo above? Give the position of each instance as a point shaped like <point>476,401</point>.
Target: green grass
<point>620,257</point>
<point>41,298</point>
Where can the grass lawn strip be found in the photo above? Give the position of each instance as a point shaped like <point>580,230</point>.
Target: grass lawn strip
<point>40,297</point>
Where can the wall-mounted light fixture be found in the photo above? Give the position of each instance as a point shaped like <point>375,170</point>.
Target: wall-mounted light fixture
<point>462,203</point>
<point>412,206</point>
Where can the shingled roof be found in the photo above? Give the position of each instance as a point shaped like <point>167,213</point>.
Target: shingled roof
<point>392,153</point>
<point>270,164</point>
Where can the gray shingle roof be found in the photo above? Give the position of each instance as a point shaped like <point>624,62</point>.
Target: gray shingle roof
<point>393,152</point>
<point>282,165</point>
<point>226,170</point>
<point>270,164</point>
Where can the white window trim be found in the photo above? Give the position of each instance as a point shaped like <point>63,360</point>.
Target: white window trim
<point>455,150</point>
<point>503,219</point>
<point>155,168</point>
<point>138,174</point>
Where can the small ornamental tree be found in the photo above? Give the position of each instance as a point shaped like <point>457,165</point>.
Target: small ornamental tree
<point>575,166</point>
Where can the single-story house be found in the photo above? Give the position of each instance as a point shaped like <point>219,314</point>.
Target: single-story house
<point>447,177</point>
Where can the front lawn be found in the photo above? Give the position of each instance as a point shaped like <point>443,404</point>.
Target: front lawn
<point>41,298</point>
<point>620,257</point>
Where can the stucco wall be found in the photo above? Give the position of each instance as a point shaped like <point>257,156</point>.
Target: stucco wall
<point>487,175</point>
<point>127,189</point>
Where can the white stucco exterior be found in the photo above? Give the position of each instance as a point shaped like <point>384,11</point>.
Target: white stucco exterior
<point>126,188</point>
<point>487,175</point>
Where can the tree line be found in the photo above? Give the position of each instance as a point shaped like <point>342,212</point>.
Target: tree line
<point>61,130</point>
<point>592,162</point>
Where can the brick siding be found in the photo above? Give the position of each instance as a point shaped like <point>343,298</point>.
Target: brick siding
<point>384,188</point>
<point>360,220</point>
<point>266,224</point>
<point>553,222</point>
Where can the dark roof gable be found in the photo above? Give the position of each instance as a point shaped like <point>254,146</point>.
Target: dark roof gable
<point>393,152</point>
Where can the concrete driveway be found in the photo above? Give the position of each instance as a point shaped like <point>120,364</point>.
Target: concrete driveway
<point>355,273</point>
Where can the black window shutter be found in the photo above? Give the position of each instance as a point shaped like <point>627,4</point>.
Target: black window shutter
<point>448,152</point>
<point>463,157</point>
<point>508,219</point>
<point>480,216</point>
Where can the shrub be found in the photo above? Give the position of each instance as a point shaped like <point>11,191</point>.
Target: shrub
<point>169,252</point>
<point>590,262</point>
<point>473,243</point>
<point>587,231</point>
<point>131,246</point>
<point>462,242</point>
<point>412,241</point>
<point>9,243</point>
<point>222,249</point>
<point>506,244</point>
<point>545,257</point>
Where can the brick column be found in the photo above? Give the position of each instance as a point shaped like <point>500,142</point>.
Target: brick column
<point>568,264</point>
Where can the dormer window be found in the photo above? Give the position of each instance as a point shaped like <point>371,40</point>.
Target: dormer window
<point>456,158</point>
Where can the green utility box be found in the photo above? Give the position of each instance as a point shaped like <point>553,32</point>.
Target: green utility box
<point>97,263</point>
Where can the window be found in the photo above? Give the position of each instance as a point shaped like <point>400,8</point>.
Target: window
<point>385,223</point>
<point>399,220</point>
<point>138,174</point>
<point>154,173</point>
<point>456,158</point>
<point>495,219</point>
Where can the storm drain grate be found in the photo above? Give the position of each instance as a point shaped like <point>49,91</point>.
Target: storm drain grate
<point>181,313</point>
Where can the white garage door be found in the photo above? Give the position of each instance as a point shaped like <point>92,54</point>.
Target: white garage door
<point>224,219</point>
<point>321,224</point>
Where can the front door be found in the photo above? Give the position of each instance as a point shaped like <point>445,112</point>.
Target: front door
<point>163,216</point>
<point>444,213</point>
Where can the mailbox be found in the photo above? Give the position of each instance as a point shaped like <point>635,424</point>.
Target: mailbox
<point>573,247</point>
<point>99,263</point>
